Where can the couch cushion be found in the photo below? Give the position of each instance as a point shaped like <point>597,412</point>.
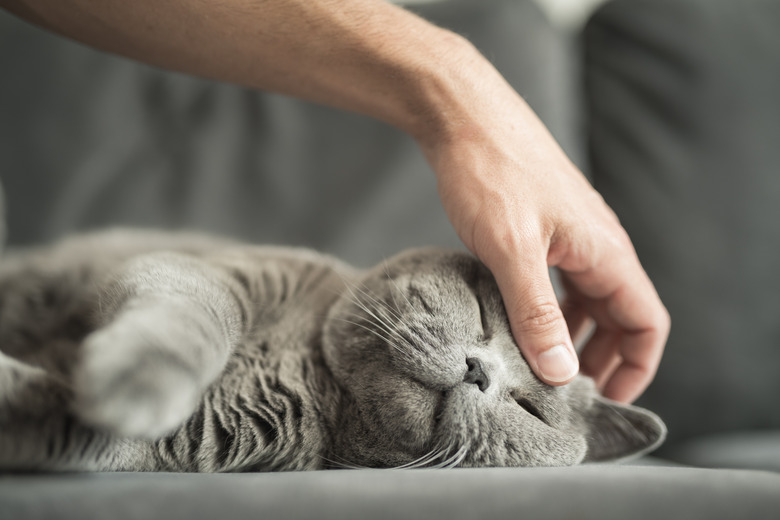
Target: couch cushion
<point>586,492</point>
<point>684,128</point>
<point>751,449</point>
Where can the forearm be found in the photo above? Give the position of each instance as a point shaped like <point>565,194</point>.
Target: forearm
<point>365,56</point>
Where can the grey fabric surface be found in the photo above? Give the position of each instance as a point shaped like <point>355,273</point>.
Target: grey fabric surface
<point>88,139</point>
<point>588,492</point>
<point>2,219</point>
<point>684,131</point>
<point>746,449</point>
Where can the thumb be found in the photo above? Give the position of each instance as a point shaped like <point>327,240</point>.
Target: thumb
<point>536,319</point>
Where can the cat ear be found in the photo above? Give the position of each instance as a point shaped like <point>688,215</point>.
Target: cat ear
<point>616,431</point>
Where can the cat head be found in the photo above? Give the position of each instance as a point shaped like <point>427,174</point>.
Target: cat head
<point>432,376</point>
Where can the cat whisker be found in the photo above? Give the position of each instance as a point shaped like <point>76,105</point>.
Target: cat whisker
<point>367,329</point>
<point>425,460</point>
<point>437,453</point>
<point>397,288</point>
<point>382,316</point>
<point>381,326</point>
<point>392,294</point>
<point>379,303</point>
<point>377,334</point>
<point>399,331</point>
<point>455,459</point>
<point>383,321</point>
<point>379,320</point>
<point>392,315</point>
<point>342,465</point>
<point>392,321</point>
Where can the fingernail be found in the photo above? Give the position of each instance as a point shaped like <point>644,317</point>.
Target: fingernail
<point>557,364</point>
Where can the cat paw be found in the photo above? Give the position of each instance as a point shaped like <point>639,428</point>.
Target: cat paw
<point>16,377</point>
<point>128,386</point>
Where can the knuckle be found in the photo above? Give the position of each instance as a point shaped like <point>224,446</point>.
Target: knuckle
<point>661,322</point>
<point>666,321</point>
<point>542,317</point>
<point>643,373</point>
<point>622,240</point>
<point>501,231</point>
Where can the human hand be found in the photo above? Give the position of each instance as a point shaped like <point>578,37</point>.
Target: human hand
<point>521,206</point>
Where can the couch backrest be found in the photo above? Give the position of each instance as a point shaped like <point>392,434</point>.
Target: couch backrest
<point>88,139</point>
<point>684,128</point>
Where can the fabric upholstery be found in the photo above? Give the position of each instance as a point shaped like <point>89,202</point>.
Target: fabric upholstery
<point>584,493</point>
<point>759,449</point>
<point>88,139</point>
<point>684,126</point>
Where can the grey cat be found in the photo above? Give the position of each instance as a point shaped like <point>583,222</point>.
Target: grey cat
<point>141,351</point>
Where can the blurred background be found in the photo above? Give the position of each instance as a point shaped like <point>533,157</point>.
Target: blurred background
<point>669,106</point>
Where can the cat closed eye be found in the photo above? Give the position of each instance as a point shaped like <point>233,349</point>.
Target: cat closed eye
<point>529,407</point>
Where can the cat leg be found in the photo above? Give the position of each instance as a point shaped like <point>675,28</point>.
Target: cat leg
<point>26,396</point>
<point>37,430</point>
<point>171,321</point>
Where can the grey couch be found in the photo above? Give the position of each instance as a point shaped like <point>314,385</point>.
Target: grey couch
<point>670,106</point>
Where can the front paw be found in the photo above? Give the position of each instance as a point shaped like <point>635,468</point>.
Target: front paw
<point>128,385</point>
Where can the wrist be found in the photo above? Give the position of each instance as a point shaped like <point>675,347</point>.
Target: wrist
<point>446,97</point>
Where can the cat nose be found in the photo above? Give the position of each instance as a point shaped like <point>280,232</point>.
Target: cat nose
<point>476,374</point>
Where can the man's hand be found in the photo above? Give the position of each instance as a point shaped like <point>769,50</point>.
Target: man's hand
<point>520,205</point>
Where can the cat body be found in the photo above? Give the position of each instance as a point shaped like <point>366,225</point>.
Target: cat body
<point>142,351</point>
